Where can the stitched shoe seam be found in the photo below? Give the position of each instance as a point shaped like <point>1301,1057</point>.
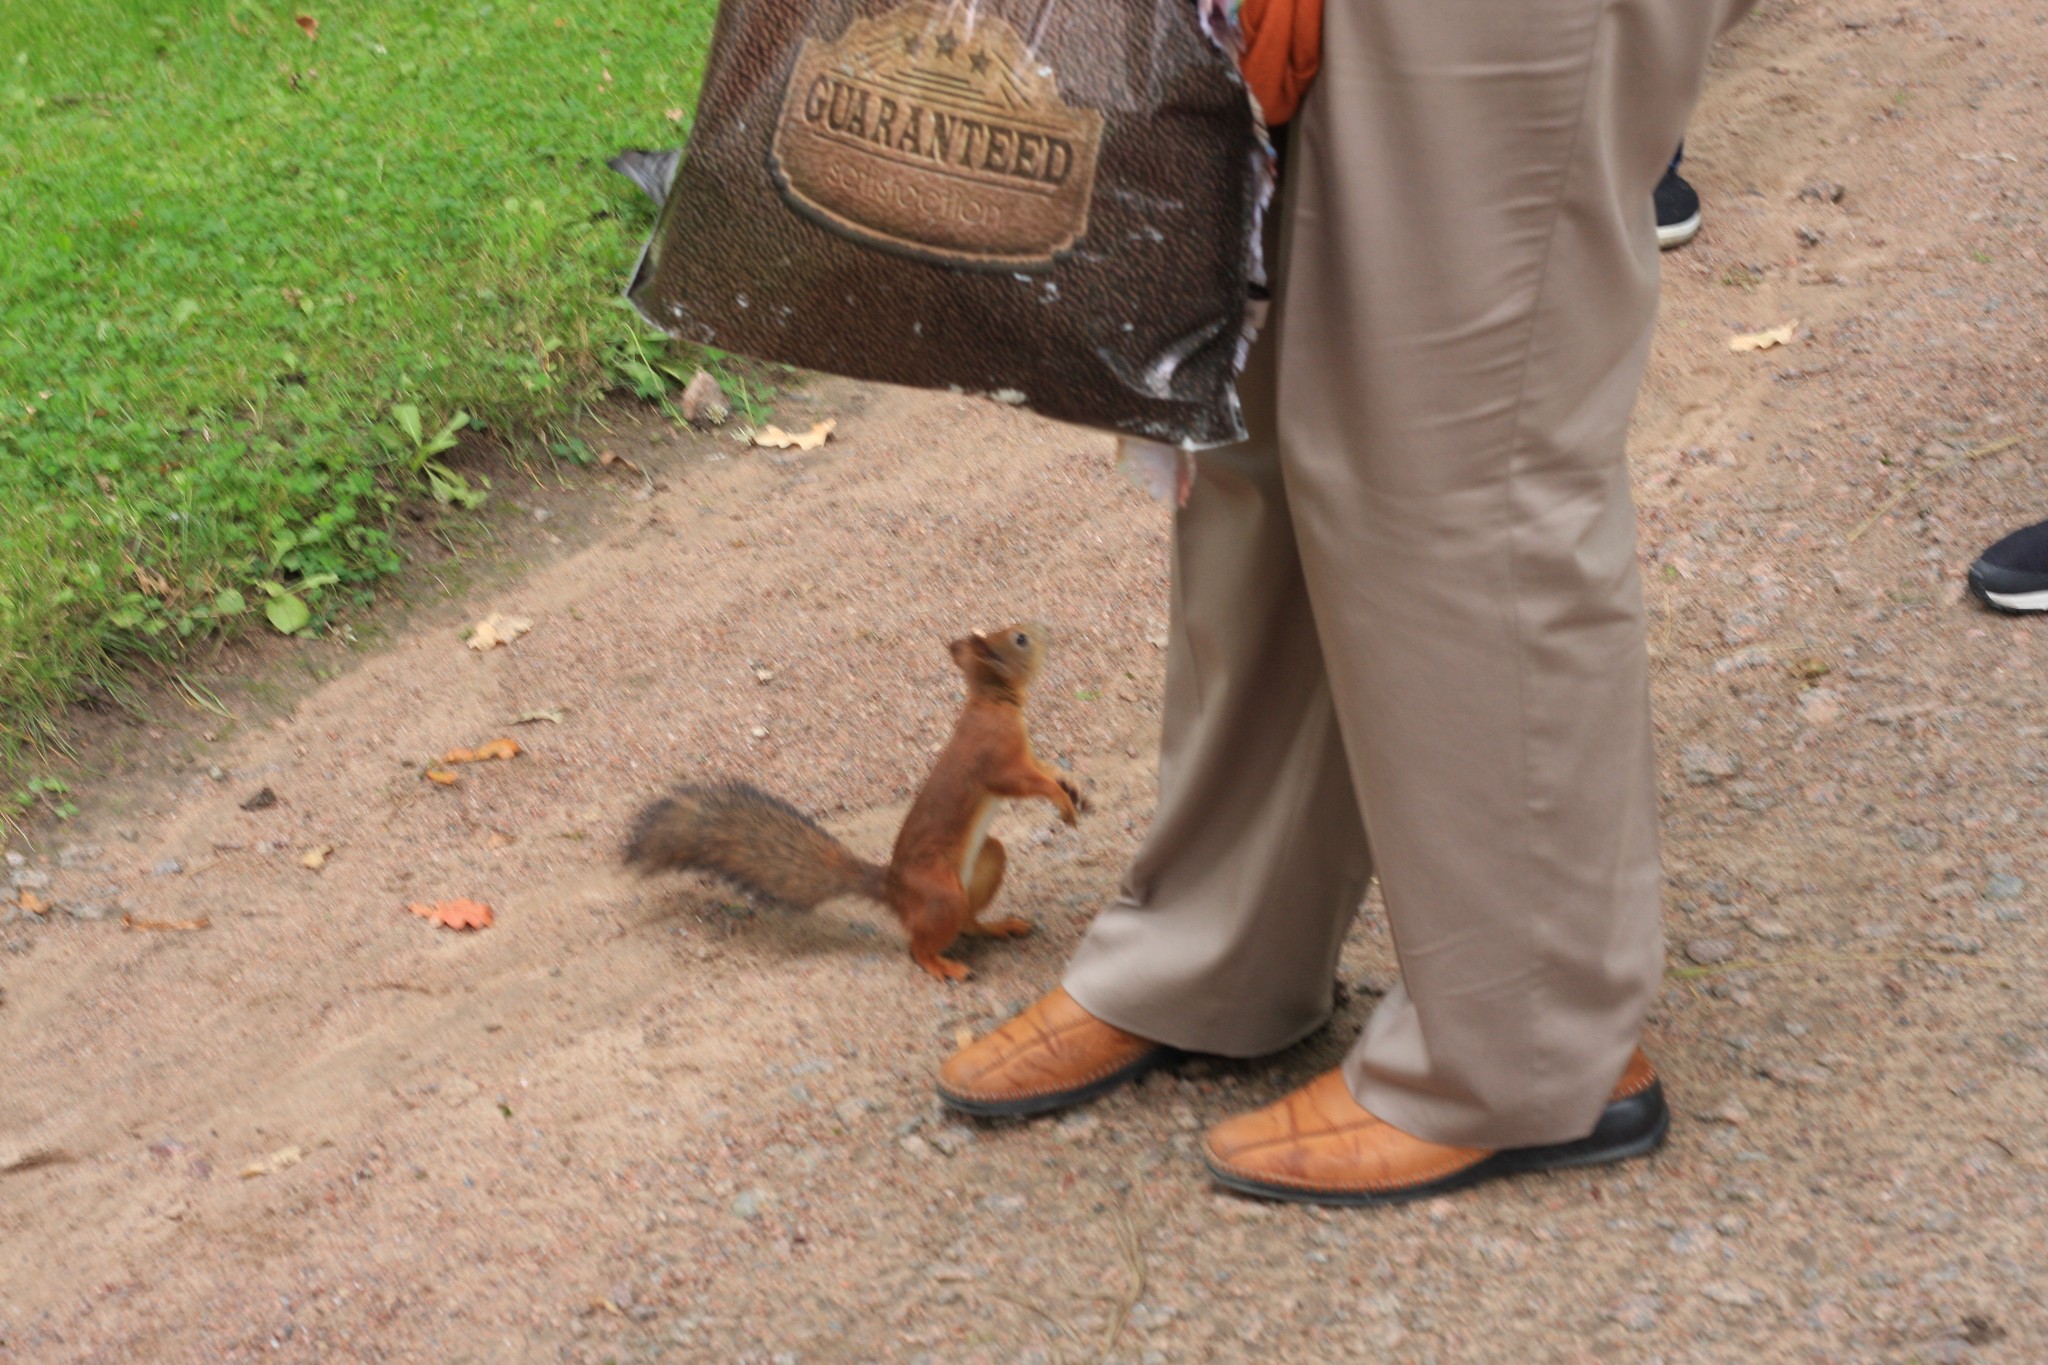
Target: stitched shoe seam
<point>1046,1039</point>
<point>1075,1084</point>
<point>1629,1092</point>
<point>1364,1187</point>
<point>1290,1139</point>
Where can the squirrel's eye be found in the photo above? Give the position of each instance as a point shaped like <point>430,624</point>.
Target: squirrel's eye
<point>1023,640</point>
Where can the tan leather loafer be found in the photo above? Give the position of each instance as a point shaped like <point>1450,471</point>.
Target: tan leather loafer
<point>1320,1146</point>
<point>1052,1055</point>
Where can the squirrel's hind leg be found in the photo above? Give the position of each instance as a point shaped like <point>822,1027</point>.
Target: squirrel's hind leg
<point>927,953</point>
<point>988,875</point>
<point>934,920</point>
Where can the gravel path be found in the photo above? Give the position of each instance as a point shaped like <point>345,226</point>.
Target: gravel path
<point>635,1121</point>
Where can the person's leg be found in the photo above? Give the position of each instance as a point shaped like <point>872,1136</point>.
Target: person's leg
<point>1225,936</point>
<point>1471,283</point>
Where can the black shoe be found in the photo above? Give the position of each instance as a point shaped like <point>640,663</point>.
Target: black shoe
<point>1678,210</point>
<point>2013,574</point>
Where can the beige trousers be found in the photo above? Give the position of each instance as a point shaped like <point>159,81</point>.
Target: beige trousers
<point>1407,629</point>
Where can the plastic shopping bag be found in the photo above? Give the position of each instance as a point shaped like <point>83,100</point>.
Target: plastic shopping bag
<point>1052,202</point>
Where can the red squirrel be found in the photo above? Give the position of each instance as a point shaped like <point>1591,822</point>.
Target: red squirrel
<point>945,868</point>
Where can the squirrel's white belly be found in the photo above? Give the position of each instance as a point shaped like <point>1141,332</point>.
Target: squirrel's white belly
<point>976,837</point>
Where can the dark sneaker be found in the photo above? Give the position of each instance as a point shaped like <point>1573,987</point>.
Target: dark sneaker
<point>1678,210</point>
<point>2013,574</point>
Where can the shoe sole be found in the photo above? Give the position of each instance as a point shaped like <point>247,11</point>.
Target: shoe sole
<point>1060,1099</point>
<point>1677,234</point>
<point>1591,1151</point>
<point>2011,603</point>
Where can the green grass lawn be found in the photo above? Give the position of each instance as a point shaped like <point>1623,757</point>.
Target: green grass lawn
<point>253,256</point>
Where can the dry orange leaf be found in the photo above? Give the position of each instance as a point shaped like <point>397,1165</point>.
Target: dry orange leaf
<point>456,914</point>
<point>31,902</point>
<point>309,24</point>
<point>441,776</point>
<point>777,439</point>
<point>167,926</point>
<point>501,747</point>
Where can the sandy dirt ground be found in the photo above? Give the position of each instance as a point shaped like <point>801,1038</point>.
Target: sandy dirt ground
<point>637,1120</point>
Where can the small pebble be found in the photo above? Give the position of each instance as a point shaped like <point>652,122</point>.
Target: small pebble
<point>1729,1112</point>
<point>1703,765</point>
<point>2004,887</point>
<point>1637,1312</point>
<point>1078,1128</point>
<point>1913,839</point>
<point>1966,945</point>
<point>1708,952</point>
<point>166,867</point>
<point>1732,1294</point>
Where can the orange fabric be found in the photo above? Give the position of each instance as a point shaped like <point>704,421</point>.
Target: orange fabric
<point>1283,48</point>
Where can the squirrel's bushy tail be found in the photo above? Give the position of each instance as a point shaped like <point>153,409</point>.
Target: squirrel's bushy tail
<point>761,844</point>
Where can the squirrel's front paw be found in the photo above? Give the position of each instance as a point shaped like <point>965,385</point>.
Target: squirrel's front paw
<point>1074,795</point>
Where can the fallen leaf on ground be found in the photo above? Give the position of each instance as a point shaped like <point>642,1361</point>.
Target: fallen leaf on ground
<point>31,902</point>
<point>552,716</point>
<point>441,776</point>
<point>262,800</point>
<point>497,629</point>
<point>776,438</point>
<point>276,1161</point>
<point>167,926</point>
<point>1763,341</point>
<point>505,748</point>
<point>609,458</point>
<point>30,1158</point>
<point>316,858</point>
<point>309,24</point>
<point>456,914</point>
